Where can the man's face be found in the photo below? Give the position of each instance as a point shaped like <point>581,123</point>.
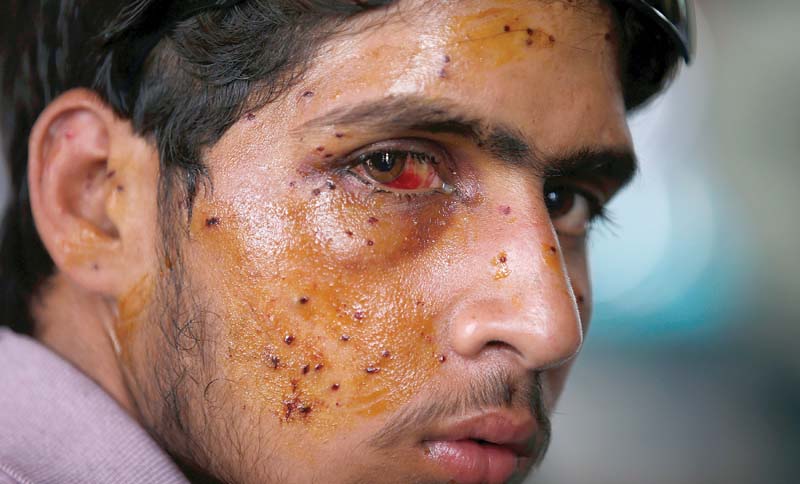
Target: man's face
<point>386,279</point>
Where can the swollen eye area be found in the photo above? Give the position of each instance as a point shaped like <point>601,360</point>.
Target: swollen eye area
<point>401,170</point>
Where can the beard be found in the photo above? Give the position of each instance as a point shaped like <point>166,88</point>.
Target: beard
<point>186,401</point>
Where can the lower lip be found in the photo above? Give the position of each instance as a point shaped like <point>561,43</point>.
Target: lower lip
<point>468,462</point>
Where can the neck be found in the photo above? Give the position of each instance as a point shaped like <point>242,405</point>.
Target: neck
<point>73,323</point>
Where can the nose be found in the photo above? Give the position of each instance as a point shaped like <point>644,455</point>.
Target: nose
<point>531,313</point>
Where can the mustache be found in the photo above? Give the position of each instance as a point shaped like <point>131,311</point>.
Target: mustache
<point>495,389</point>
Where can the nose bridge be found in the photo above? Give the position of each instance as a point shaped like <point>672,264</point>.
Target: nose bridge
<point>524,303</point>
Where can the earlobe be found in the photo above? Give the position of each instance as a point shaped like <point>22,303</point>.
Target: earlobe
<point>71,181</point>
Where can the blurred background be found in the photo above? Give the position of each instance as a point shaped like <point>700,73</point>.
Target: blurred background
<point>691,371</point>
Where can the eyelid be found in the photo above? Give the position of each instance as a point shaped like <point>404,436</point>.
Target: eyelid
<point>412,145</point>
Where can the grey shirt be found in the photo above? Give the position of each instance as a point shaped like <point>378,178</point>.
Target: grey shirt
<point>57,425</point>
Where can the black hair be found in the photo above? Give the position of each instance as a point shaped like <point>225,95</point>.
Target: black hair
<point>195,84</point>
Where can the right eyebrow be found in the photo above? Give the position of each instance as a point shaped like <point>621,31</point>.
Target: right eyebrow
<point>413,113</point>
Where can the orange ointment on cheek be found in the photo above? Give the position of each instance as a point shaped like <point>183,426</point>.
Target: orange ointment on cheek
<point>325,322</point>
<point>131,310</point>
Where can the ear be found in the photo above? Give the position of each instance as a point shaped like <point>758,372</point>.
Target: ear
<point>92,186</point>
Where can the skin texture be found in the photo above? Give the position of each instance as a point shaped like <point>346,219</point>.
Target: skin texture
<point>325,329</point>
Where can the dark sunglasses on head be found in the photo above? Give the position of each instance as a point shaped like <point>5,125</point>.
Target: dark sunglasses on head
<point>675,17</point>
<point>131,44</point>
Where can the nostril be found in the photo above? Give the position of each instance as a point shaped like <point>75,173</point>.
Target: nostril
<point>500,345</point>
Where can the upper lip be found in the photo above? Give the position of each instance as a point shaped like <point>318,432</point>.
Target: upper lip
<point>512,430</point>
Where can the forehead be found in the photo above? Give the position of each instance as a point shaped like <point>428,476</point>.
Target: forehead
<point>548,68</point>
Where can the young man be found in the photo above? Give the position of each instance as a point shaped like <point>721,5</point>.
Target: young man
<point>319,241</point>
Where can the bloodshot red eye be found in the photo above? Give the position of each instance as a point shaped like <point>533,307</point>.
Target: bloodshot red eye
<point>400,170</point>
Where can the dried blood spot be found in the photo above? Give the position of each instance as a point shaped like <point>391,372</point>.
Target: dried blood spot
<point>506,28</point>
<point>289,409</point>
<point>349,233</point>
<point>500,261</point>
<point>306,369</point>
<point>294,405</point>
<point>303,300</point>
<point>335,387</point>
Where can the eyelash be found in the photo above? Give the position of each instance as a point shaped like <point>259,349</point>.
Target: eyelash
<point>597,210</point>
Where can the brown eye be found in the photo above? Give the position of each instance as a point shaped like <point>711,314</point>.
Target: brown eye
<point>385,166</point>
<point>559,201</point>
<point>571,209</point>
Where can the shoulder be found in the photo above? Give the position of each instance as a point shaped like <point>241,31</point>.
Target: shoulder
<point>57,425</point>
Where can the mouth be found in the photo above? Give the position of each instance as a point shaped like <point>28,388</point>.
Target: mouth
<point>488,448</point>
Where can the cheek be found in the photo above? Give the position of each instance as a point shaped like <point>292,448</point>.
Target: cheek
<point>326,315</point>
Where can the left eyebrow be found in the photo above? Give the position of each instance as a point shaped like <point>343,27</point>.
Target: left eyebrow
<point>417,114</point>
<point>617,166</point>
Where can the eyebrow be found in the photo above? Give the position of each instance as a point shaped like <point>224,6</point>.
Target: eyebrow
<point>394,114</point>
